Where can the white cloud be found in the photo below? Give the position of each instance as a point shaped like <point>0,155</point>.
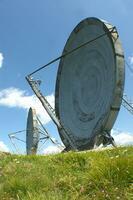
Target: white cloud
<point>52,150</point>
<point>1,59</point>
<point>14,97</point>
<point>122,138</point>
<point>131,59</point>
<point>3,147</point>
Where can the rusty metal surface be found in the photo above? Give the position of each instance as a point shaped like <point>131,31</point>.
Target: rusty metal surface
<point>89,85</point>
<point>32,132</point>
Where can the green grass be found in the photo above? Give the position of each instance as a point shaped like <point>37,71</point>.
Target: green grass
<point>90,175</point>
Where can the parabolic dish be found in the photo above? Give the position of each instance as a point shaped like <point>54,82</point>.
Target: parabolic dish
<point>90,82</point>
<point>32,132</point>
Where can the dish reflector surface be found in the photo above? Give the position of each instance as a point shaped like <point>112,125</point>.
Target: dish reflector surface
<point>32,132</point>
<point>90,81</point>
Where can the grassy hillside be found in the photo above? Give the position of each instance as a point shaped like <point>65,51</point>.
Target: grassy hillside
<point>92,175</point>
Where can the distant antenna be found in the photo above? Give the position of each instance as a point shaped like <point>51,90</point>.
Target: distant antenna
<point>89,85</point>
<point>36,135</point>
<point>32,132</point>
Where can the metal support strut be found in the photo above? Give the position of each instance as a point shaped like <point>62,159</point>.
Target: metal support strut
<point>47,135</point>
<point>127,103</point>
<point>105,139</point>
<point>34,84</point>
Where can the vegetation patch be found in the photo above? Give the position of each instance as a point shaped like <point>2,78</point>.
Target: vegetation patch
<point>94,175</point>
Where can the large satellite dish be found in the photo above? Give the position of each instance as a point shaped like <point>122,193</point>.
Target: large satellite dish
<point>32,132</point>
<point>90,81</point>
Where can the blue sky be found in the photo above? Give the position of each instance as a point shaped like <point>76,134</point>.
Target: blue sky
<point>34,32</point>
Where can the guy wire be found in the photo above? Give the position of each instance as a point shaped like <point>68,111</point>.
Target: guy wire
<point>75,49</point>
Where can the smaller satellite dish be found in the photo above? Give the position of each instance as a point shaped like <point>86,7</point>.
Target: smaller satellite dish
<point>32,133</point>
